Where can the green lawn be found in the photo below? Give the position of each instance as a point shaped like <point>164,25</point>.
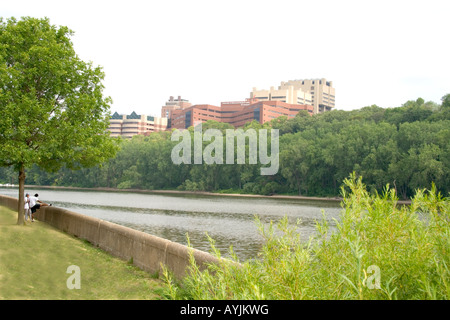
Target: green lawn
<point>34,260</point>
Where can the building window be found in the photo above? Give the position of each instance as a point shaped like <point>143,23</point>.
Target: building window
<point>256,114</point>
<point>187,122</point>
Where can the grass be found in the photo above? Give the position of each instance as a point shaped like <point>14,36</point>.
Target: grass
<point>34,260</point>
<point>378,251</point>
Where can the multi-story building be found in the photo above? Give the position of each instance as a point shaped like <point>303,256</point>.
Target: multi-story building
<point>236,113</point>
<point>286,94</point>
<point>317,92</point>
<point>314,96</point>
<point>321,90</point>
<point>174,104</point>
<point>261,111</point>
<point>134,124</point>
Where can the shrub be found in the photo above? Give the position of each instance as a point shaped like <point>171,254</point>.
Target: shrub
<point>378,250</point>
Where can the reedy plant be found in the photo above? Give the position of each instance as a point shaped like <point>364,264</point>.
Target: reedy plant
<point>378,250</point>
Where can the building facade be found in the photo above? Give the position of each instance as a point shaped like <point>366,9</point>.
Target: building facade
<point>317,92</point>
<point>174,104</point>
<point>133,124</point>
<point>236,113</point>
<point>312,95</point>
<point>287,94</point>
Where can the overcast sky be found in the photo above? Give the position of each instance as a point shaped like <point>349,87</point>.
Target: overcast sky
<point>375,52</point>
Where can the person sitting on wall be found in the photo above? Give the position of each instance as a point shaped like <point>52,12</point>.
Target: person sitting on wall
<point>35,204</point>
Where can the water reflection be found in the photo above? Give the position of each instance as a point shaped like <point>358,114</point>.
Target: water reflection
<point>228,220</point>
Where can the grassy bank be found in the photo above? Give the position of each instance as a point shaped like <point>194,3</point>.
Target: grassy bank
<point>34,260</point>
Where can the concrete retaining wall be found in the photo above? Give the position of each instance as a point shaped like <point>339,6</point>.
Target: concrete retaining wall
<point>146,251</point>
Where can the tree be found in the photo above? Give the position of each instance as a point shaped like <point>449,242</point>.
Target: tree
<point>53,112</point>
<point>295,161</point>
<point>445,107</point>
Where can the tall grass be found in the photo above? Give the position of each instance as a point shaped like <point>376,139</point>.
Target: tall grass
<point>378,250</point>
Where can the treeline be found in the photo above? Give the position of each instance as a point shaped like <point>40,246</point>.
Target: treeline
<point>406,147</point>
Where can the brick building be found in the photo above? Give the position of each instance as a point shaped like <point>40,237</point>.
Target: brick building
<point>236,113</point>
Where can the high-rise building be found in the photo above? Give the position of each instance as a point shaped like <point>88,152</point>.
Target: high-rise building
<point>317,92</point>
<point>321,90</point>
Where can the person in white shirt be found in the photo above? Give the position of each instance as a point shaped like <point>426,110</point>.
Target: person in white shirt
<point>35,204</point>
<point>27,207</point>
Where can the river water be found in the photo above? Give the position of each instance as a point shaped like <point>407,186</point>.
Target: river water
<point>227,220</point>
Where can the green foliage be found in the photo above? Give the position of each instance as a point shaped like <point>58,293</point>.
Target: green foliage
<point>378,250</point>
<point>51,102</point>
<point>53,110</point>
<point>406,147</point>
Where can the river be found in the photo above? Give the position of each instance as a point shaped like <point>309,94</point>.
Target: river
<point>227,220</point>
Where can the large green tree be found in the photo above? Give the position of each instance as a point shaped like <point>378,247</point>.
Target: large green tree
<point>52,107</point>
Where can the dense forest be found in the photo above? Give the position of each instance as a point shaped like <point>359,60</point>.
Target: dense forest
<point>406,147</point>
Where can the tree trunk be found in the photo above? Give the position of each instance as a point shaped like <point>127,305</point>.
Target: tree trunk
<point>20,209</point>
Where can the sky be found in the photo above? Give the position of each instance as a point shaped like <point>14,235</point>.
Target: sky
<point>208,51</point>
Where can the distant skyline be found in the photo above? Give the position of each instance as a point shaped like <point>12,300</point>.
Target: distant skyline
<point>206,51</point>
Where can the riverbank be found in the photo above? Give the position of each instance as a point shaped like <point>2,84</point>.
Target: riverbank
<point>203,193</point>
<point>182,192</point>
